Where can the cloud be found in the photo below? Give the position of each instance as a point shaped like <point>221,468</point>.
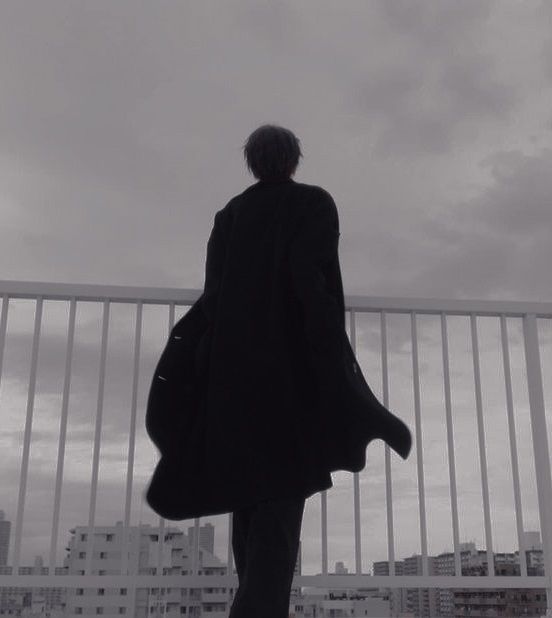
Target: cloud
<point>121,132</point>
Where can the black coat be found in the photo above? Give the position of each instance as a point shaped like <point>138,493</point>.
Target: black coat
<point>258,393</point>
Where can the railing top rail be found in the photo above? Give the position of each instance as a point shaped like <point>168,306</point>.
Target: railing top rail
<point>187,296</point>
<point>331,580</point>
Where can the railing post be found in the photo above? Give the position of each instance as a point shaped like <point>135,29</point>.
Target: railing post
<point>540,446</point>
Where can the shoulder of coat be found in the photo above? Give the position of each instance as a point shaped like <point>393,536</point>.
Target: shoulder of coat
<point>316,193</point>
<point>321,205</point>
<point>321,193</point>
<point>320,200</point>
<point>226,211</point>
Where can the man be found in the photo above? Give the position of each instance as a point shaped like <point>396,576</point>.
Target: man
<point>280,400</point>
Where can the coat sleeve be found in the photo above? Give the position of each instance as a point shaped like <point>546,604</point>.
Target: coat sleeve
<point>214,264</point>
<point>315,274</point>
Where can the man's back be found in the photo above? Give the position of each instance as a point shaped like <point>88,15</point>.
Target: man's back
<point>279,398</point>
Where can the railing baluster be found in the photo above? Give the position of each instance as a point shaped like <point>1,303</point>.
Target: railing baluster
<point>419,446</point>
<point>27,437</point>
<point>132,438</point>
<point>513,446</point>
<point>196,561</point>
<point>540,444</point>
<point>97,438</point>
<point>450,443</point>
<point>482,448</point>
<point>388,479</point>
<point>161,521</point>
<point>62,435</point>
<point>3,324</point>
<point>356,475</point>
<point>324,529</point>
<point>229,553</point>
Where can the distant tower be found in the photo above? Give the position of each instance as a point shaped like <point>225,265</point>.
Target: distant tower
<point>206,537</point>
<point>5,527</point>
<point>531,539</point>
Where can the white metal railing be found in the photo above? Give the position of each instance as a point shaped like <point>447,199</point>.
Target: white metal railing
<point>138,296</point>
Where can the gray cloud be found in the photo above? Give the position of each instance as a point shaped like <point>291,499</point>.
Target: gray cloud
<point>121,132</point>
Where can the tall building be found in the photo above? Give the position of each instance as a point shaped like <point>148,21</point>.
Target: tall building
<point>366,601</point>
<point>5,528</point>
<point>397,596</point>
<point>206,537</point>
<point>473,602</point>
<point>29,600</point>
<point>477,602</point>
<point>141,548</point>
<point>420,601</point>
<point>443,564</point>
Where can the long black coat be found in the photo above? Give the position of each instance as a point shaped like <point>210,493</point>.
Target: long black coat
<point>258,393</point>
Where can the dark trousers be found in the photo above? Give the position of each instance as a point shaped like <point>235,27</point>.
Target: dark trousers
<point>265,542</point>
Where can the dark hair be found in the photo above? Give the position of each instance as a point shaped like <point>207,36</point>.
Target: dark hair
<point>272,152</point>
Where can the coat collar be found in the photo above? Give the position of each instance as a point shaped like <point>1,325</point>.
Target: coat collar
<point>275,182</point>
<point>271,183</point>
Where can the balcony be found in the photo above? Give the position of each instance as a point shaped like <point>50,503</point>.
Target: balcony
<point>68,296</point>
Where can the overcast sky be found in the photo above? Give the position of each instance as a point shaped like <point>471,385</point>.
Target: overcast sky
<point>121,127</point>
